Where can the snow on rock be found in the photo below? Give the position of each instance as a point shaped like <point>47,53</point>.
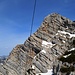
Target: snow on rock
<point>33,67</point>
<point>60,34</point>
<point>63,32</point>
<point>50,72</point>
<point>34,57</point>
<point>1,63</point>
<point>43,51</point>
<point>47,44</point>
<point>56,33</point>
<point>70,53</point>
<point>63,41</point>
<point>72,49</point>
<point>66,55</point>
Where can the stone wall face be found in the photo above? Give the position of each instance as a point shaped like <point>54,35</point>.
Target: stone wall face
<point>40,52</point>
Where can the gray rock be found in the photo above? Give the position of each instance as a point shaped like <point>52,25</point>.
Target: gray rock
<point>43,56</point>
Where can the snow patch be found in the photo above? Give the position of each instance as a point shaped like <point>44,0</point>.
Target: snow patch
<point>72,49</point>
<point>64,36</point>
<point>60,34</point>
<point>56,33</point>
<point>63,32</point>
<point>47,44</point>
<point>33,67</point>
<point>63,41</point>
<point>43,51</point>
<point>70,53</point>
<point>55,55</point>
<point>1,63</point>
<point>34,57</point>
<point>50,72</point>
<point>66,55</point>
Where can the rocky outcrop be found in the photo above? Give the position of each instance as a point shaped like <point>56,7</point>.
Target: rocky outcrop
<point>42,50</point>
<point>2,59</point>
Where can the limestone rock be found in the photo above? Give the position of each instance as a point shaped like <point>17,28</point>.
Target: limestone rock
<point>40,52</point>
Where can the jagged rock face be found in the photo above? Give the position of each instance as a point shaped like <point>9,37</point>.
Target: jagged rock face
<point>42,50</point>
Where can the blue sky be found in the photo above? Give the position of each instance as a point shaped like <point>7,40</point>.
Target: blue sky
<point>16,16</point>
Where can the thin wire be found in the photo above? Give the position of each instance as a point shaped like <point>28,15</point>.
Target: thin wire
<point>30,52</point>
<point>33,18</point>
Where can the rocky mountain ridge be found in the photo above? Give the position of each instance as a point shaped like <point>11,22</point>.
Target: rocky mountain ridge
<point>42,51</point>
<point>2,59</point>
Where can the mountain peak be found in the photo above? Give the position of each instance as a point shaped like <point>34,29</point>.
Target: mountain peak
<point>41,52</point>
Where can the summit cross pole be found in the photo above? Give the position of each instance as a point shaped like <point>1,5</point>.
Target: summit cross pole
<point>33,18</point>
<point>30,48</point>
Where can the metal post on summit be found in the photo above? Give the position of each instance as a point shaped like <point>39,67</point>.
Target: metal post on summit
<point>33,18</point>
<point>32,21</point>
<point>31,28</point>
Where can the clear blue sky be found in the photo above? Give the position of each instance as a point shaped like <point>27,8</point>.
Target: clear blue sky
<point>16,15</point>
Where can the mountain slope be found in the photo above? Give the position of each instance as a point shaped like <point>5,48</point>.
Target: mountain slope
<point>41,51</point>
